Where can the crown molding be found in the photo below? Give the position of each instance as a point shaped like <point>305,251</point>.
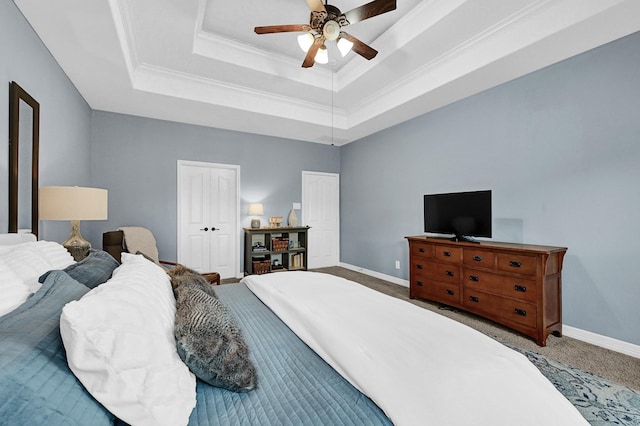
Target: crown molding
<point>520,30</point>
<point>169,82</point>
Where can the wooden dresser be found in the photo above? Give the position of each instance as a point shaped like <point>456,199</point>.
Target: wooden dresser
<point>517,285</point>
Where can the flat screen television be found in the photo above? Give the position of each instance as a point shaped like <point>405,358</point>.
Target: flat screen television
<point>463,214</point>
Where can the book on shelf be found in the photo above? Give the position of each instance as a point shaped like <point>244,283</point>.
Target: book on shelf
<point>296,261</point>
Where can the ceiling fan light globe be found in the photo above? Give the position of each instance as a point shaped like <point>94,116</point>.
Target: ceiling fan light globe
<point>322,56</point>
<point>305,41</point>
<point>331,30</point>
<point>344,46</point>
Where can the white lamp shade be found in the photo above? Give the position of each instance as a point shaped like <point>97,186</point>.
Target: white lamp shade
<point>256,209</point>
<point>305,41</point>
<point>73,203</point>
<point>322,57</point>
<point>344,46</point>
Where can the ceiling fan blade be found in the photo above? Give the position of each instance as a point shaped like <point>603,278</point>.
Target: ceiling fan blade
<point>369,10</point>
<point>271,29</point>
<point>310,59</point>
<point>316,5</point>
<point>359,47</point>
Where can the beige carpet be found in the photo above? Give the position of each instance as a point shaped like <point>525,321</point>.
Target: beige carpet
<point>611,365</point>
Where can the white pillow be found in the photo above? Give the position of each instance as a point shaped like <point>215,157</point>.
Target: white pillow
<point>13,291</point>
<point>30,260</point>
<point>55,253</point>
<point>120,344</point>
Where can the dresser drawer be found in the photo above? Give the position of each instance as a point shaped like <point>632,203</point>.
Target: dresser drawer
<point>448,254</point>
<point>436,270</point>
<point>505,285</point>
<point>425,288</point>
<point>517,263</point>
<point>424,251</point>
<point>512,310</point>
<point>480,258</point>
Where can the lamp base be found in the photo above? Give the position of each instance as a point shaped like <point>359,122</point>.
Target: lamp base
<point>255,223</point>
<point>75,244</point>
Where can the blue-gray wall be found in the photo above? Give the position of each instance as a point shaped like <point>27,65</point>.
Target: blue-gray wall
<point>65,118</point>
<point>136,160</point>
<point>560,148</point>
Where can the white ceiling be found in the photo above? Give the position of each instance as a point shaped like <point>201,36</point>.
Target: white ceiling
<point>200,62</point>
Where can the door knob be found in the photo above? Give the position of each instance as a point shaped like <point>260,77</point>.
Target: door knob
<point>204,229</point>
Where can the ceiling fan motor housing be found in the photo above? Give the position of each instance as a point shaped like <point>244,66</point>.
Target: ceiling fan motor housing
<point>331,30</point>
<point>328,22</point>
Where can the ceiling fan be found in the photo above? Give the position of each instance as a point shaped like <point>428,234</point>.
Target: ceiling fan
<point>325,23</point>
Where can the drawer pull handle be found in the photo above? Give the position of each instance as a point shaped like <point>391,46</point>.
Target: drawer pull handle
<point>474,278</point>
<point>419,266</point>
<point>477,258</point>
<point>474,299</point>
<point>520,312</point>
<point>419,283</point>
<point>446,253</point>
<point>421,249</point>
<point>450,292</point>
<point>520,288</point>
<point>449,273</point>
<point>515,264</point>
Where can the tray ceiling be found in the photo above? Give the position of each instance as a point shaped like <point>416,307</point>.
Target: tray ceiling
<point>199,61</point>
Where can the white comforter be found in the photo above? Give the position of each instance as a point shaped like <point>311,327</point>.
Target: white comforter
<point>419,367</point>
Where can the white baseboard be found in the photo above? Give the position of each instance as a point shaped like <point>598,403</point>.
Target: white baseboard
<point>395,280</point>
<point>575,333</point>
<point>602,341</point>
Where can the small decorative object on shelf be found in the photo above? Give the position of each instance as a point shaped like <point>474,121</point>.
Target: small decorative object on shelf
<point>292,220</point>
<point>258,246</point>
<point>280,244</point>
<point>296,261</point>
<point>275,221</point>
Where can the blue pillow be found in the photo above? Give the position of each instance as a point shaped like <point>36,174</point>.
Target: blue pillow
<point>36,384</point>
<point>91,271</point>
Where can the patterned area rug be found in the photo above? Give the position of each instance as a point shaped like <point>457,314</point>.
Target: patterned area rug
<point>600,401</point>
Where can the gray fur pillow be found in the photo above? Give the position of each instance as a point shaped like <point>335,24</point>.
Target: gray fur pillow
<point>207,337</point>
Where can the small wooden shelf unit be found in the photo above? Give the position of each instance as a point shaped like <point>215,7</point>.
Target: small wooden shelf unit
<point>262,246</point>
<point>517,285</point>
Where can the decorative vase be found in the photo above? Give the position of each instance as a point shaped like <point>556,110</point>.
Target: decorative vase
<point>293,218</point>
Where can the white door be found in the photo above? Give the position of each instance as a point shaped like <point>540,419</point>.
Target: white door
<point>321,211</point>
<point>208,217</point>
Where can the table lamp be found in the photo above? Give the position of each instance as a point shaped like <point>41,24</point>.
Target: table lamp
<point>74,203</point>
<point>256,210</point>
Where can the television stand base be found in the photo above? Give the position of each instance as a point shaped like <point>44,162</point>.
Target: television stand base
<point>464,239</point>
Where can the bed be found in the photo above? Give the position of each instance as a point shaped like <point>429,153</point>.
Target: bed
<point>64,356</point>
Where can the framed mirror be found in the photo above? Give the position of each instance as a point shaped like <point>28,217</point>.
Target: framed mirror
<point>24,140</point>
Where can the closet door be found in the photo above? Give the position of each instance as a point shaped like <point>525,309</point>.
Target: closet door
<point>321,211</point>
<point>208,217</point>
